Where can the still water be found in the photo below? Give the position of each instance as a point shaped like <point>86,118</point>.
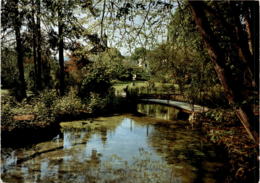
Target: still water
<point>117,149</point>
<point>159,111</point>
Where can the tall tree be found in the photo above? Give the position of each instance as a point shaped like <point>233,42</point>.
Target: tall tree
<point>33,29</point>
<point>61,16</point>
<point>39,54</point>
<point>61,49</point>
<point>17,23</point>
<point>229,54</point>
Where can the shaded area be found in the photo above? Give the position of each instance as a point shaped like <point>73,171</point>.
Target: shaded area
<point>23,136</point>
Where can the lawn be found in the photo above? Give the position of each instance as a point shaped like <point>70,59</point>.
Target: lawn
<point>144,88</point>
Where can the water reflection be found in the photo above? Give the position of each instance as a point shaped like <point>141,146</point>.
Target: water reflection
<point>188,152</point>
<point>9,161</point>
<point>159,111</point>
<point>67,140</point>
<point>117,149</point>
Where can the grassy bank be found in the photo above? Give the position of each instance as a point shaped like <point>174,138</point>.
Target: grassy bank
<point>146,87</point>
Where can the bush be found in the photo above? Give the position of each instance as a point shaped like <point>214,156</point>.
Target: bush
<point>141,74</point>
<point>96,103</point>
<point>47,106</point>
<point>42,112</point>
<point>225,116</point>
<point>96,81</point>
<point>69,104</point>
<point>6,113</point>
<point>48,97</point>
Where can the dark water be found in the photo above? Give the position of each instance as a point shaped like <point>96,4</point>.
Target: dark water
<point>123,148</point>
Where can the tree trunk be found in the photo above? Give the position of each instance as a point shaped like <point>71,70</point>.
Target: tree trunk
<point>39,57</point>
<point>34,44</point>
<point>61,52</point>
<point>244,47</point>
<point>238,39</point>
<point>232,88</point>
<point>21,88</point>
<point>252,22</point>
<point>252,26</point>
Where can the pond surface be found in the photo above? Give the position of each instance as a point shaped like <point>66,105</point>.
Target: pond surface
<point>117,149</point>
<point>159,111</point>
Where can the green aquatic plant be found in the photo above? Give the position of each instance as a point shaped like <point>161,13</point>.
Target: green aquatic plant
<point>100,123</point>
<point>143,169</point>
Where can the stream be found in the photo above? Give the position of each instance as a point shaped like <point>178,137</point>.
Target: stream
<point>156,147</point>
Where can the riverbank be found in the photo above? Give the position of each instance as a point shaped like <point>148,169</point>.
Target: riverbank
<point>243,154</point>
<point>26,121</point>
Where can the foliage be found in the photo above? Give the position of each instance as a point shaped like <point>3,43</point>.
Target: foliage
<point>96,103</point>
<point>6,110</point>
<point>183,60</point>
<point>139,53</point>
<point>242,153</point>
<point>118,68</point>
<point>96,79</point>
<point>48,97</point>
<point>141,73</point>
<point>42,112</point>
<point>8,65</point>
<point>69,104</point>
<point>49,107</point>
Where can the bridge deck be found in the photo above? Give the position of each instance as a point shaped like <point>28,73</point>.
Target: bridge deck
<point>181,105</point>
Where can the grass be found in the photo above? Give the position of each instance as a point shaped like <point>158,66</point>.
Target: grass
<point>121,86</point>
<point>157,88</point>
<point>4,92</point>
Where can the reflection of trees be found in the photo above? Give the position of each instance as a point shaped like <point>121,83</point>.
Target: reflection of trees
<point>80,167</point>
<point>183,148</point>
<point>158,111</point>
<point>76,135</point>
<point>92,167</point>
<point>103,134</point>
<point>36,154</point>
<point>94,158</point>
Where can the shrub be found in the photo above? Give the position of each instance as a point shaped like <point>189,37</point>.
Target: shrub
<point>96,81</point>
<point>96,103</point>
<point>6,113</point>
<point>226,116</point>
<point>48,97</point>
<point>42,112</point>
<point>69,104</point>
